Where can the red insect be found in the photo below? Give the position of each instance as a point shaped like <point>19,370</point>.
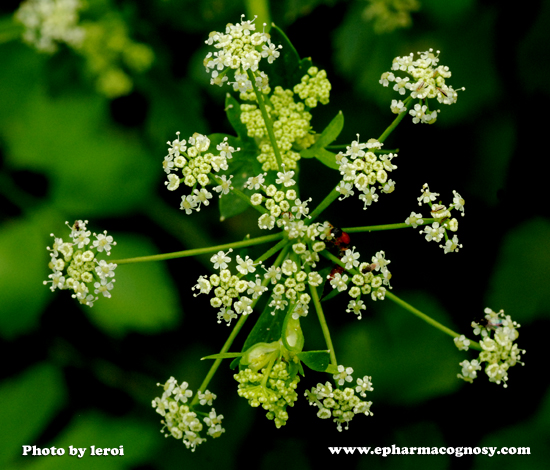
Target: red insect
<point>340,239</point>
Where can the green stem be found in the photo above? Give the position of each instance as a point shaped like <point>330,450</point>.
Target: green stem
<point>268,124</point>
<point>259,8</point>
<point>218,361</point>
<point>202,251</point>
<point>405,305</point>
<point>427,319</point>
<point>323,323</point>
<point>377,228</point>
<point>396,121</point>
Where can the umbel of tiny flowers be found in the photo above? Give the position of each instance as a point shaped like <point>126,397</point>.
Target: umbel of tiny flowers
<point>181,421</point>
<point>75,265</point>
<point>269,373</point>
<point>232,294</point>
<point>363,169</point>
<point>425,80</point>
<point>442,223</point>
<point>240,49</point>
<point>50,22</point>
<point>196,164</point>
<point>290,119</point>
<point>341,405</point>
<point>499,352</point>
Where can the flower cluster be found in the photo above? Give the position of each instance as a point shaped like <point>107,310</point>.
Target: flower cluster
<point>364,281</point>
<point>426,80</point>
<point>442,221</point>
<point>272,388</point>
<point>179,419</point>
<point>196,164</point>
<point>282,206</point>
<point>291,119</point>
<point>230,289</point>
<point>48,22</point>
<point>239,49</point>
<point>389,15</point>
<point>75,266</point>
<point>341,405</point>
<point>365,171</point>
<point>499,352</point>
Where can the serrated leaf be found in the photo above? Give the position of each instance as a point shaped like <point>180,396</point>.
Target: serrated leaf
<point>144,298</point>
<point>37,394</point>
<point>315,360</point>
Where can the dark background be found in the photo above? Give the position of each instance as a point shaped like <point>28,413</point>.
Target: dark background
<point>78,376</point>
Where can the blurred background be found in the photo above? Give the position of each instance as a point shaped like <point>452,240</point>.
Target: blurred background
<point>82,136</point>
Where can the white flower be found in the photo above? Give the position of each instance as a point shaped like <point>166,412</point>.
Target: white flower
<point>343,375</point>
<point>103,242</point>
<point>104,287</point>
<point>369,196</point>
<point>427,196</point>
<point>345,189</point>
<point>458,202</point>
<point>339,282</point>
<point>188,203</point>
<point>221,259</point>
<point>414,219</point>
<point>255,182</point>
<point>451,245</point>
<point>435,232</point>
<point>356,306</point>
<point>285,178</point>
<point>350,258</point>
<point>173,182</point>
<point>245,266</point>
<point>225,185</point>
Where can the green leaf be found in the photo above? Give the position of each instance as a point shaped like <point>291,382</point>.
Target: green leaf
<point>23,268</point>
<point>329,135</point>
<point>519,285</point>
<point>94,168</point>
<point>233,111</point>
<point>267,329</point>
<point>315,360</point>
<point>227,355</point>
<point>288,69</point>
<point>27,404</point>
<point>242,166</point>
<point>144,298</point>
<point>138,439</point>
<point>332,131</point>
